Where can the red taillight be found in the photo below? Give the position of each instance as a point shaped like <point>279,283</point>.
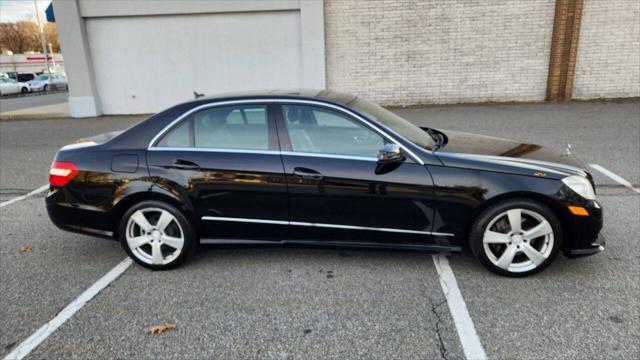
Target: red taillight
<point>61,173</point>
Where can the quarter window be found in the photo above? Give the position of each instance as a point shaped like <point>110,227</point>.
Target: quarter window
<point>179,136</point>
<point>319,130</point>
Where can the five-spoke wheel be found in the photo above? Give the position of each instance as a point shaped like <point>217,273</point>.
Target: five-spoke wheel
<point>156,235</point>
<point>516,237</point>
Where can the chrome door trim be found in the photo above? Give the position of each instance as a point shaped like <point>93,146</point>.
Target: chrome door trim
<point>330,156</point>
<point>332,226</point>
<point>257,221</point>
<point>375,127</point>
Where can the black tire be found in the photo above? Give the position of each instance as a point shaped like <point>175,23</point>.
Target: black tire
<point>45,88</point>
<point>189,234</point>
<point>24,90</point>
<point>476,235</point>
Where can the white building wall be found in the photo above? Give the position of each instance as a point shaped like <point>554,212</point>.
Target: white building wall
<point>141,56</point>
<point>608,59</point>
<point>166,58</point>
<point>402,52</point>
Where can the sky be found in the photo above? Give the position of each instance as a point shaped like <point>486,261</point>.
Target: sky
<point>14,10</point>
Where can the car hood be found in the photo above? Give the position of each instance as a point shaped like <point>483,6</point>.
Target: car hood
<point>498,154</point>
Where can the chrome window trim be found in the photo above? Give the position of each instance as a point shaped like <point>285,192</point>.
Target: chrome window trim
<point>322,225</point>
<point>220,150</point>
<point>265,101</point>
<point>264,152</point>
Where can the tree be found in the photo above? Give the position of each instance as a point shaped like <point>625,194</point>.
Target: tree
<point>51,36</point>
<point>23,36</point>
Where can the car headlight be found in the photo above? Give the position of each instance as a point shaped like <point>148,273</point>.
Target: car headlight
<point>581,185</point>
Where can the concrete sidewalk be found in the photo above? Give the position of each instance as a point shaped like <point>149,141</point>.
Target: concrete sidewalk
<point>35,106</point>
<point>55,111</point>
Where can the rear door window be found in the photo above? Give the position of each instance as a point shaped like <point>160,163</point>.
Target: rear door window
<point>229,127</point>
<point>226,127</point>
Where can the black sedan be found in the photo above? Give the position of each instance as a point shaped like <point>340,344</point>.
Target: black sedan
<point>321,168</point>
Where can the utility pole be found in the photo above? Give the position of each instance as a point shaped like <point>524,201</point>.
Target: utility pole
<point>42,42</point>
<point>53,59</point>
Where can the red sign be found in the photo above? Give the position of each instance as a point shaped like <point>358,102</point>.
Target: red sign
<point>38,57</point>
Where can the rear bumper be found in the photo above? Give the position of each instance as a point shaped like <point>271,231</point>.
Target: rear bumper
<point>81,219</point>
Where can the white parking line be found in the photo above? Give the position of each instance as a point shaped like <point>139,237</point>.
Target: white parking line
<point>47,329</point>
<point>615,177</point>
<point>469,339</point>
<point>16,199</point>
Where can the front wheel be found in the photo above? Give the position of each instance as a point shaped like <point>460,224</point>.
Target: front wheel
<point>24,90</point>
<point>156,235</point>
<point>516,237</point>
<point>45,88</point>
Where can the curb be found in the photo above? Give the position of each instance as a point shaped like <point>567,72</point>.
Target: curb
<point>33,93</point>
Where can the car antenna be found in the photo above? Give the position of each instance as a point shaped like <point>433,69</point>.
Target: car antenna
<point>197,95</point>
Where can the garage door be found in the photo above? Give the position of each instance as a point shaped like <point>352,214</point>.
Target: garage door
<point>146,64</point>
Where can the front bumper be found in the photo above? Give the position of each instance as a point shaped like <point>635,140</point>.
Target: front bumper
<point>582,235</point>
<point>596,247</point>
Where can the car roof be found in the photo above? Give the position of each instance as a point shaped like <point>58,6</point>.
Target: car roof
<point>306,94</point>
<point>139,135</point>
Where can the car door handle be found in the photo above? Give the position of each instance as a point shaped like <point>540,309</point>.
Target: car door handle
<point>185,165</point>
<point>307,173</point>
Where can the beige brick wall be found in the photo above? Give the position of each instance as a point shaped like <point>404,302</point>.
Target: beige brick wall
<point>608,60</point>
<point>401,52</point>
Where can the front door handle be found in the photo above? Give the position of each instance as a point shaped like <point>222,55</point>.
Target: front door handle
<point>307,173</point>
<point>185,165</point>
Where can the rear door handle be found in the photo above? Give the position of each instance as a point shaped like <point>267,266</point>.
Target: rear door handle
<point>307,173</point>
<point>185,165</point>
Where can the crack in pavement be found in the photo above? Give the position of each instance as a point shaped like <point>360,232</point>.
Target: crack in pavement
<point>14,191</point>
<point>434,308</point>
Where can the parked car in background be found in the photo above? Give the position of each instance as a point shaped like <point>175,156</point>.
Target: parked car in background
<point>24,77</point>
<point>46,82</point>
<point>10,86</point>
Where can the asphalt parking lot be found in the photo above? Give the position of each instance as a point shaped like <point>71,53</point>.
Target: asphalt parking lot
<point>296,302</point>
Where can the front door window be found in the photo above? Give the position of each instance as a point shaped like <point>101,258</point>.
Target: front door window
<point>318,130</point>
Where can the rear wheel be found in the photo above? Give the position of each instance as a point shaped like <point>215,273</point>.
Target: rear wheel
<point>157,235</point>
<point>516,237</point>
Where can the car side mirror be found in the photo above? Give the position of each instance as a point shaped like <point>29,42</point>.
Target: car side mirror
<point>389,154</point>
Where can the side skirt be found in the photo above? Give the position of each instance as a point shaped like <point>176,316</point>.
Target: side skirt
<point>355,244</point>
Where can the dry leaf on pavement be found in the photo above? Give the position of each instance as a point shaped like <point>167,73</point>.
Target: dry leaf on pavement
<point>24,249</point>
<point>159,329</point>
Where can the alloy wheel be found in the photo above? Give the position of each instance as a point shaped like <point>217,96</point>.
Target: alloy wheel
<point>518,240</point>
<point>154,236</point>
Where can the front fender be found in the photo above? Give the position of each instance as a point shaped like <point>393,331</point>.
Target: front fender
<point>461,194</point>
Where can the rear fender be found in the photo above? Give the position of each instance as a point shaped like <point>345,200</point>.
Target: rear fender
<point>136,193</point>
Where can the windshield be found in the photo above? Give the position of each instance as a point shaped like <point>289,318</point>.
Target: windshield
<point>42,77</point>
<point>406,129</point>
